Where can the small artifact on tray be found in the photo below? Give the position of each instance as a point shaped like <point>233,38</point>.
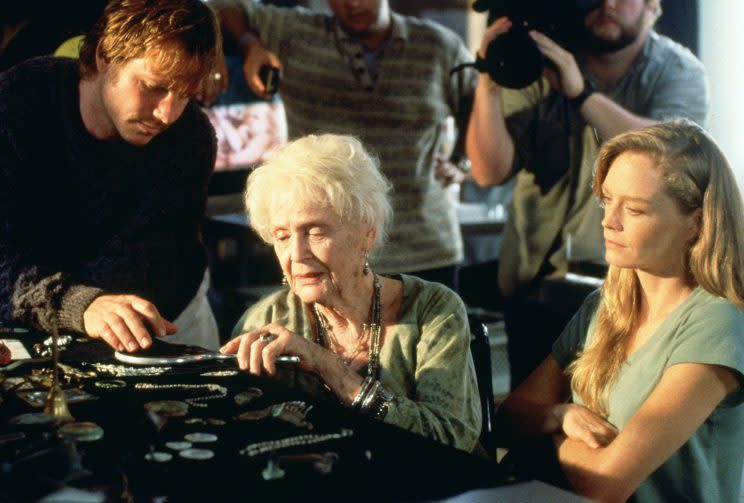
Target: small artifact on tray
<point>83,431</point>
<point>167,408</point>
<point>199,437</point>
<point>293,412</point>
<point>31,418</point>
<point>158,456</point>
<point>178,446</point>
<point>322,463</point>
<point>196,454</point>
<point>37,398</point>
<point>220,373</point>
<point>247,395</point>
<point>110,384</point>
<point>272,471</point>
<point>211,421</point>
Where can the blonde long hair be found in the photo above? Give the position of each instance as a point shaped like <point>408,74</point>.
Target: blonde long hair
<point>697,176</point>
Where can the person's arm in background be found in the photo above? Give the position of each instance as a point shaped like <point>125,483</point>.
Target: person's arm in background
<point>600,112</point>
<point>488,144</point>
<point>234,22</point>
<point>451,162</point>
<point>681,91</point>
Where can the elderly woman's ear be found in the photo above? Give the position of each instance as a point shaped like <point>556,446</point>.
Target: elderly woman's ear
<point>370,237</point>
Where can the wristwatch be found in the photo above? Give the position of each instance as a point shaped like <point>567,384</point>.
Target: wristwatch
<point>462,162</point>
<point>580,98</point>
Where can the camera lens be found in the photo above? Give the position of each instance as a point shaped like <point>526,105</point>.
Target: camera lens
<point>513,60</point>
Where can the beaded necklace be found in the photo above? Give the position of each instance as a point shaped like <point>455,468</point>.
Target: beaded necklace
<point>372,327</point>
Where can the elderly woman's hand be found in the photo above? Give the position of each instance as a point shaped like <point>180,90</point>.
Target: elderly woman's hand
<point>258,350</point>
<point>580,423</point>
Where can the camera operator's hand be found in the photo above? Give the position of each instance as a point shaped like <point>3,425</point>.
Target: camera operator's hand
<point>568,79</point>
<point>494,30</point>
<point>256,55</point>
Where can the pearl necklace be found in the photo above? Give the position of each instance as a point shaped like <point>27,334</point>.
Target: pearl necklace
<point>372,327</point>
<point>273,445</point>
<point>125,371</point>
<point>215,390</point>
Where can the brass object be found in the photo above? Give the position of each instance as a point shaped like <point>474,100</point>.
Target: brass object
<point>56,402</point>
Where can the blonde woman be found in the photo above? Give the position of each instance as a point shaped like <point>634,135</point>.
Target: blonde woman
<point>396,348</point>
<point>642,393</point>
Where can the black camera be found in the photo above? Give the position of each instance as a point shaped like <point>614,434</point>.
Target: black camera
<point>269,75</point>
<point>513,59</point>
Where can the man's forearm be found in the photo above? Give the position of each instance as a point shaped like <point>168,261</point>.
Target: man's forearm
<point>488,144</point>
<point>232,22</point>
<point>609,118</point>
<point>41,300</point>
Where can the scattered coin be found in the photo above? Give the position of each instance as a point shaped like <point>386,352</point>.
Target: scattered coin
<point>83,431</point>
<point>198,454</point>
<point>158,456</point>
<point>199,437</point>
<point>178,446</point>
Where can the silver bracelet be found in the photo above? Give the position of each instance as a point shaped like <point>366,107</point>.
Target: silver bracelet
<point>362,392</point>
<point>381,403</point>
<point>364,408</point>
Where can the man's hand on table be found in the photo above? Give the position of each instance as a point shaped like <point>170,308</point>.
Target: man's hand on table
<point>125,322</point>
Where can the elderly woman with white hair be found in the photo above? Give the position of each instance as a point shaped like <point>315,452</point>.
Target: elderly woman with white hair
<point>396,348</point>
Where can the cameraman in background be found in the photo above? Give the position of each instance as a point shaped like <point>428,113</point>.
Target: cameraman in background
<point>621,76</point>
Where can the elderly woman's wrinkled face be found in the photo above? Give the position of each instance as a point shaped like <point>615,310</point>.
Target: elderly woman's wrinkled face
<point>321,257</point>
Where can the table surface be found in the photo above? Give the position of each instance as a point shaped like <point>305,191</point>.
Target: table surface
<point>377,462</point>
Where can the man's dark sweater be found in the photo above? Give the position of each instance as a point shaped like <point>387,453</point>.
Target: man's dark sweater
<point>80,217</point>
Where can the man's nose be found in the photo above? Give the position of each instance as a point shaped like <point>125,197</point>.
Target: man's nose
<point>169,109</point>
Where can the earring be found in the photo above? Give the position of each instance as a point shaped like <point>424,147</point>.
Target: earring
<point>285,282</point>
<point>365,269</point>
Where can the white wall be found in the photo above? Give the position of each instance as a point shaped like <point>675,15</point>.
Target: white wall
<point>722,53</point>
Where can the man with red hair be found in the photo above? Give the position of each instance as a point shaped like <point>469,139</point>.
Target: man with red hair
<point>104,166</point>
